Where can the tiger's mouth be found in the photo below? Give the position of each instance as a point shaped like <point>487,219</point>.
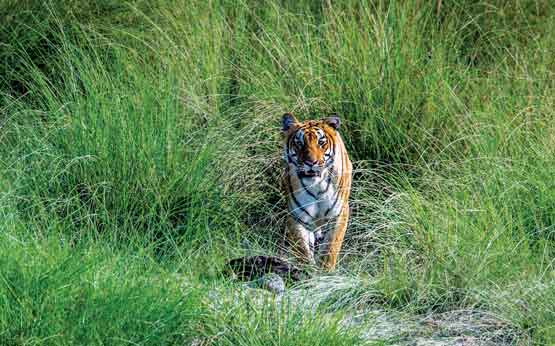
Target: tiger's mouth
<point>310,173</point>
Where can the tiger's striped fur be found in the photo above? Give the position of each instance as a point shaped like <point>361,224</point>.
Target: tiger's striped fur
<point>317,180</point>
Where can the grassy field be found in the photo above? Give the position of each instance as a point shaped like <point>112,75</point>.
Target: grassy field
<point>140,149</point>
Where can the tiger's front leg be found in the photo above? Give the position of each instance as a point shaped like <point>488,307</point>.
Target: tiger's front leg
<point>333,232</point>
<point>301,241</point>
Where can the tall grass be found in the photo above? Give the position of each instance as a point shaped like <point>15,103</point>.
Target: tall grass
<point>142,140</point>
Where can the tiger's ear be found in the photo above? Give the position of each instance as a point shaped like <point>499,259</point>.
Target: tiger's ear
<point>287,120</point>
<point>333,121</point>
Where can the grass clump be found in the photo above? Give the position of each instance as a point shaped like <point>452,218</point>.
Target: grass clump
<point>54,294</point>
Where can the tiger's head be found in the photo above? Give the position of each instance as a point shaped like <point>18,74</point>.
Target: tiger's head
<point>309,145</point>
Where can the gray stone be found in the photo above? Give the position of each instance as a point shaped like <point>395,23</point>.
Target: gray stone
<point>271,282</point>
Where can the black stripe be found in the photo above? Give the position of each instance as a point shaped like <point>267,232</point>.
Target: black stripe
<point>307,225</point>
<point>332,156</point>
<point>327,186</point>
<point>334,203</point>
<point>316,243</point>
<point>337,192</point>
<point>295,200</point>
<point>289,152</point>
<point>307,190</point>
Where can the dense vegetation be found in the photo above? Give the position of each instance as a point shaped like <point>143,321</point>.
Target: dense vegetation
<point>140,149</point>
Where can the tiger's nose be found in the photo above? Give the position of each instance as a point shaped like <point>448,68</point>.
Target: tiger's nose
<point>311,162</point>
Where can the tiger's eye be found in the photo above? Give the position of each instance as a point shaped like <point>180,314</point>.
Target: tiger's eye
<point>322,141</point>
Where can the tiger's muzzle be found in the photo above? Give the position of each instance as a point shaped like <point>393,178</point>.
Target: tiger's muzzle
<point>310,169</point>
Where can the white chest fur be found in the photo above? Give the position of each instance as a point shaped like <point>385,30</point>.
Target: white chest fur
<point>315,199</point>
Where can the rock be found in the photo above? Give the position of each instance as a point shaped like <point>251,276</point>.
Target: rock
<point>254,267</point>
<point>271,282</point>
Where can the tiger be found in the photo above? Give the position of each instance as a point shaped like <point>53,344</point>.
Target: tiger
<point>317,183</point>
